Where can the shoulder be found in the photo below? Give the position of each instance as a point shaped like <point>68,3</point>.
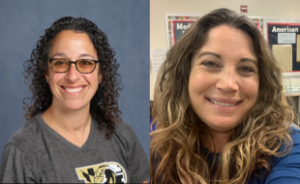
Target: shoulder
<point>26,135</point>
<point>20,150</point>
<point>123,129</point>
<point>295,135</point>
<point>125,134</point>
<point>294,153</point>
<point>287,167</point>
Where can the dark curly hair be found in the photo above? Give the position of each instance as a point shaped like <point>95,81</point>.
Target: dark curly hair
<point>104,105</point>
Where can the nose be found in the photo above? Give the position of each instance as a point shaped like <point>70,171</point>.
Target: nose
<point>72,75</point>
<point>228,81</point>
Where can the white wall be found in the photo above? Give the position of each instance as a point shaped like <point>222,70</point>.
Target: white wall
<point>260,8</point>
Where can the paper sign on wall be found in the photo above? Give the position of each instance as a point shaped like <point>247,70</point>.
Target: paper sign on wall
<point>286,38</point>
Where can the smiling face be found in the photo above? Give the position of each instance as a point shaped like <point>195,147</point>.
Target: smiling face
<point>73,90</point>
<point>224,80</point>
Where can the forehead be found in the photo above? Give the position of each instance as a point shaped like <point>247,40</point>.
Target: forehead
<point>224,36</point>
<point>70,42</point>
<point>228,41</point>
<point>71,35</point>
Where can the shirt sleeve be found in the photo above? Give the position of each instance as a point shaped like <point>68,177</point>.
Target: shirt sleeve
<point>14,167</point>
<point>286,169</point>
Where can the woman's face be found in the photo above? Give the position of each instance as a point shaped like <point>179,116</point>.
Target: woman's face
<point>224,80</point>
<point>73,90</point>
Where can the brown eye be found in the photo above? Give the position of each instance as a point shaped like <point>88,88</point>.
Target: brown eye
<point>210,64</point>
<point>86,62</point>
<point>58,62</point>
<point>246,69</point>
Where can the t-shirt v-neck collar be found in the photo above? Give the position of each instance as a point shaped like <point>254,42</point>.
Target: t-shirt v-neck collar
<point>65,142</point>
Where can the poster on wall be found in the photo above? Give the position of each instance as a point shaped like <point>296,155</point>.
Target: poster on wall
<point>284,40</point>
<point>177,25</point>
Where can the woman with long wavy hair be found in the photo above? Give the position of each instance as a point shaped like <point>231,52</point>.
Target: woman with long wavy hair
<point>220,110</point>
<point>74,132</point>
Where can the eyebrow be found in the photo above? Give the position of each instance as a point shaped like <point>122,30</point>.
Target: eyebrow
<point>243,60</point>
<point>209,53</point>
<point>86,55</point>
<point>59,54</point>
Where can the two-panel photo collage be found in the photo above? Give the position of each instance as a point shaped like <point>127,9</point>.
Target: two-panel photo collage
<point>150,91</point>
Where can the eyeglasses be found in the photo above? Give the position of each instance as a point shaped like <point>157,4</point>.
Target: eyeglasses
<point>62,65</point>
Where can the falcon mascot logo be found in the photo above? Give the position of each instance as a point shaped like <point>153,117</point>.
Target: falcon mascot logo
<point>106,172</point>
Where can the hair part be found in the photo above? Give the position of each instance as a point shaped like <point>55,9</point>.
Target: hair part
<point>104,105</point>
<point>177,154</point>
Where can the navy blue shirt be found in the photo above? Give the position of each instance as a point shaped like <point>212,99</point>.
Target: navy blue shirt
<point>283,170</point>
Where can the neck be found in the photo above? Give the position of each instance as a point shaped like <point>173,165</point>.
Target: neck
<point>68,121</point>
<point>220,139</point>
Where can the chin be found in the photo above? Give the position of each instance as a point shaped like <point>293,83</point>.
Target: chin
<point>223,125</point>
<point>75,106</point>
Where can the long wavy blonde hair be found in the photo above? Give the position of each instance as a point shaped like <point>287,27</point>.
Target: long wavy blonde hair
<point>177,153</point>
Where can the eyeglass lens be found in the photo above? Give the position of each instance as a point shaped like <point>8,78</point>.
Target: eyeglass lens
<point>82,65</point>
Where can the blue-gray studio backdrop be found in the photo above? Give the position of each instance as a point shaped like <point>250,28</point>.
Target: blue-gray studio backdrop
<point>126,23</point>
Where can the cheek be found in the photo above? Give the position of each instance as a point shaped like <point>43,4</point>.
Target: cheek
<point>54,77</point>
<point>53,82</point>
<point>199,82</point>
<point>250,88</point>
<point>93,80</point>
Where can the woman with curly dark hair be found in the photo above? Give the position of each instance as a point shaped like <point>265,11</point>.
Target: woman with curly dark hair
<point>74,130</point>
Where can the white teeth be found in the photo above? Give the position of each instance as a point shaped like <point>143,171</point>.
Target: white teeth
<point>74,90</point>
<point>223,104</point>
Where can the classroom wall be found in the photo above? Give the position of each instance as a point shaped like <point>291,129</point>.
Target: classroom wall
<point>266,8</point>
<point>126,23</point>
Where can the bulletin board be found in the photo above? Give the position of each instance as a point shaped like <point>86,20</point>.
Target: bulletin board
<point>284,40</point>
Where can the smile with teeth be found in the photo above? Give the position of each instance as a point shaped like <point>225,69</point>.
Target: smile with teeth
<point>223,104</point>
<point>73,90</point>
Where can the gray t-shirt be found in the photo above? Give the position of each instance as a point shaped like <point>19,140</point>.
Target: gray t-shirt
<point>38,154</point>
